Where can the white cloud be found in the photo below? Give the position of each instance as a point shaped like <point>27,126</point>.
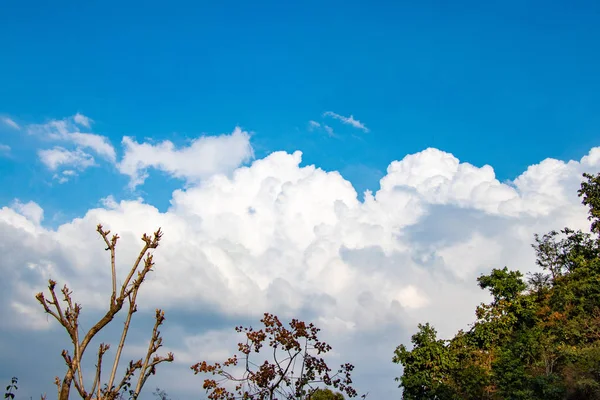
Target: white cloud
<point>347,120</point>
<point>4,148</point>
<point>64,176</point>
<point>68,130</point>
<point>97,143</point>
<point>61,157</point>
<point>31,210</point>
<point>204,156</point>
<point>296,241</point>
<point>82,120</point>
<point>313,125</point>
<point>8,121</point>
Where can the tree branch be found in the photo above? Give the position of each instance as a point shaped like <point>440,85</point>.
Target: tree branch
<point>149,368</point>
<point>69,319</point>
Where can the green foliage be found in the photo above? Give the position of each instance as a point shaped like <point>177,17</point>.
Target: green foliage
<point>326,394</point>
<point>535,340</point>
<point>503,284</point>
<point>425,366</point>
<point>590,192</point>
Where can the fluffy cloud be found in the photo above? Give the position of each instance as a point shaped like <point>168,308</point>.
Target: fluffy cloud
<point>204,156</point>
<point>347,120</point>
<point>30,210</point>
<point>296,241</point>
<point>59,157</point>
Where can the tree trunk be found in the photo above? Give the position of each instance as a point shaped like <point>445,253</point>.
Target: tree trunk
<point>66,386</point>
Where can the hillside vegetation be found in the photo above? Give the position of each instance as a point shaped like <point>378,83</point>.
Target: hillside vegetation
<point>539,338</point>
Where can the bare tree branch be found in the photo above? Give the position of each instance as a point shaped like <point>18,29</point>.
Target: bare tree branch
<point>69,319</point>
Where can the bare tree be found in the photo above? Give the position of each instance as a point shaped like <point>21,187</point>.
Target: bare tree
<point>68,317</point>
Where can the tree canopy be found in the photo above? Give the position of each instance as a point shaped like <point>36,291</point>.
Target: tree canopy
<point>539,338</point>
<point>326,394</point>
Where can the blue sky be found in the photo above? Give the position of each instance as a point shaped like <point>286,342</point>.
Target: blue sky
<point>507,84</point>
<point>504,83</point>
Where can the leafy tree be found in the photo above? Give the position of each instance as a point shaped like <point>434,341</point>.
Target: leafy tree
<point>539,282</point>
<point>503,284</point>
<point>590,192</point>
<point>426,366</point>
<point>326,394</point>
<point>541,343</point>
<point>296,365</point>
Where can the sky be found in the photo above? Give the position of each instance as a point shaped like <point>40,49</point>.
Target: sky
<point>355,164</point>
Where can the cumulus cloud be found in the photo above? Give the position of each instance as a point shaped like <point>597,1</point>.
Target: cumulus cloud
<point>296,241</point>
<point>10,122</point>
<point>69,130</point>
<point>204,156</point>
<point>347,120</point>
<point>30,210</point>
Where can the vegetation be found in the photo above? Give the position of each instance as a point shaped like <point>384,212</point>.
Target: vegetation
<point>11,388</point>
<point>326,394</point>
<point>537,339</point>
<point>68,317</point>
<point>294,368</point>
